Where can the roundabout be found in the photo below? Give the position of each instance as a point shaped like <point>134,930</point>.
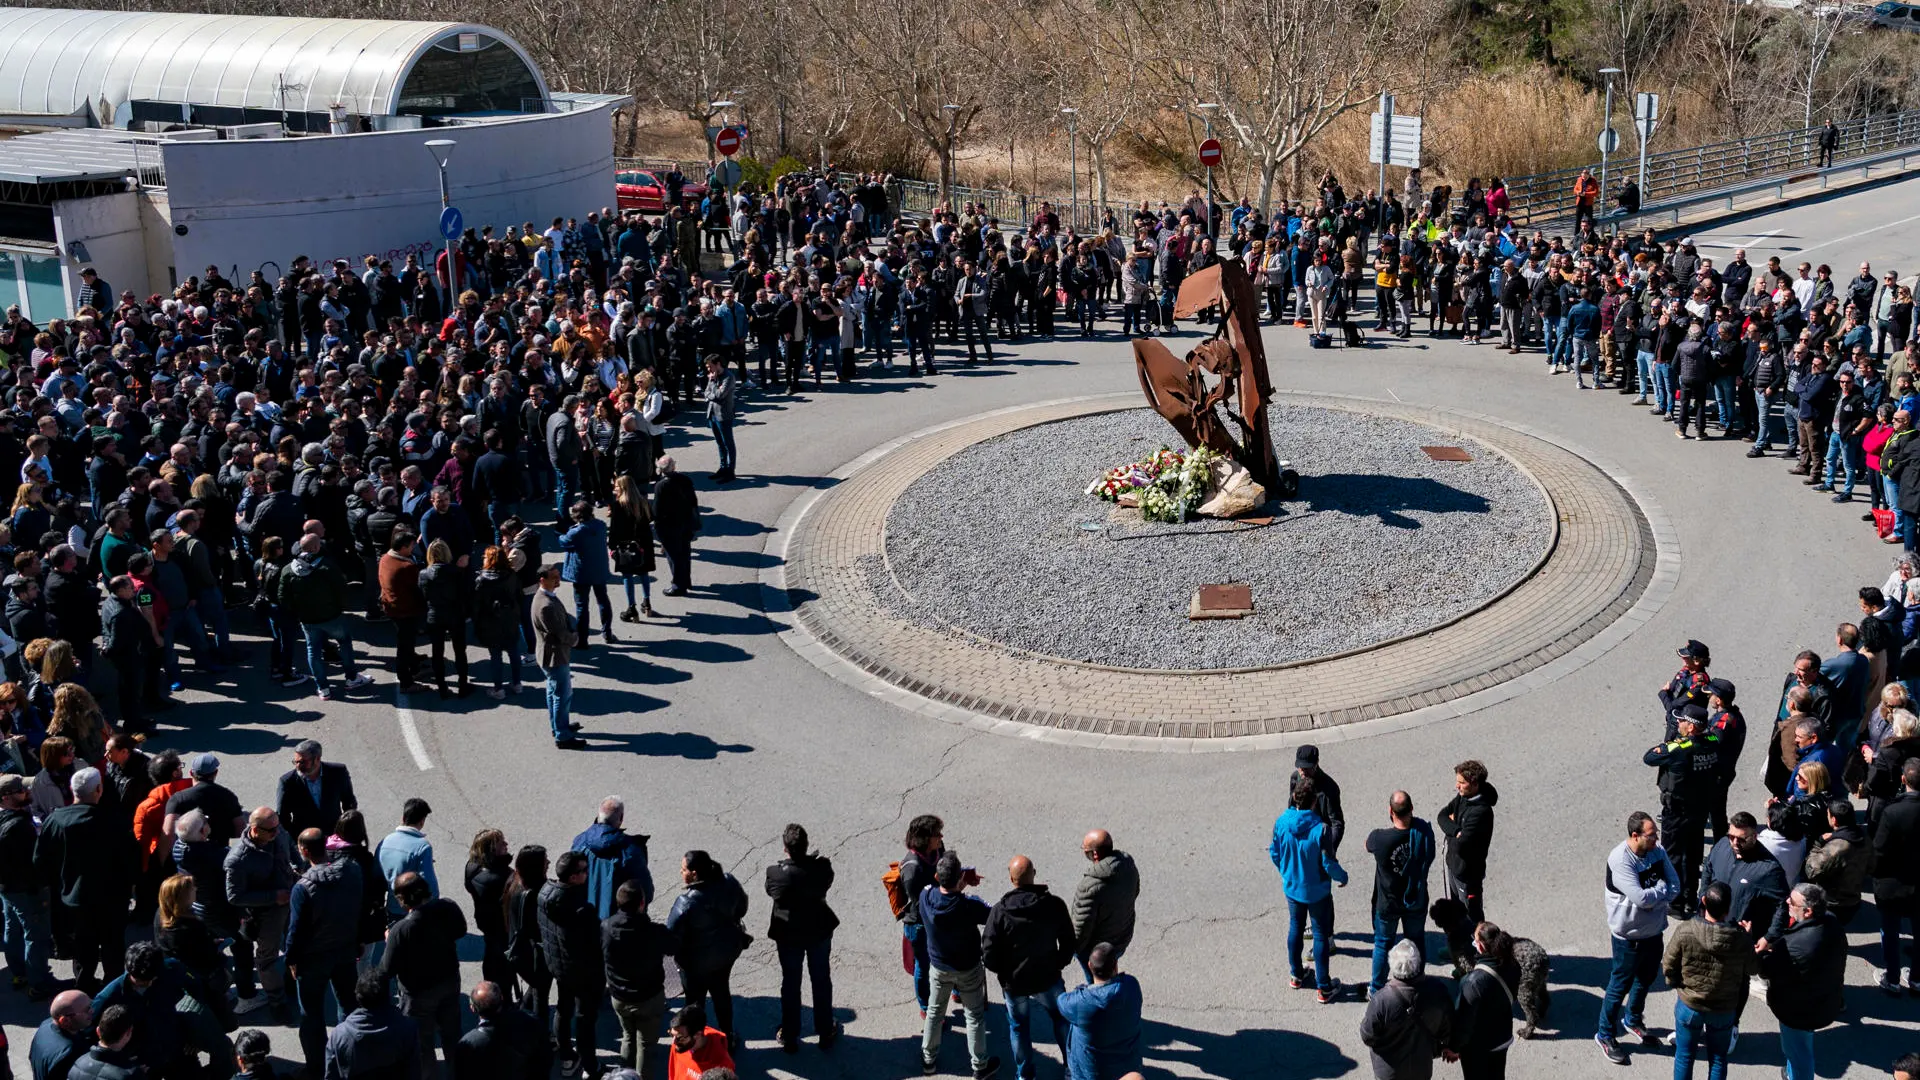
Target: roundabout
<point>964,573</point>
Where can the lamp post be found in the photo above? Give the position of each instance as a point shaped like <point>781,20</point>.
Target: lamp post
<point>1208,108</point>
<point>953,112</point>
<point>442,151</point>
<point>1073,165</point>
<point>1606,126</point>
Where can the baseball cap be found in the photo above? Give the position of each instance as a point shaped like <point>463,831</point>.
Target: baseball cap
<point>1307,755</point>
<point>1695,650</point>
<point>1721,689</point>
<point>204,765</point>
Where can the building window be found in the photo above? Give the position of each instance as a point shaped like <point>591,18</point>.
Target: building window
<point>465,74</point>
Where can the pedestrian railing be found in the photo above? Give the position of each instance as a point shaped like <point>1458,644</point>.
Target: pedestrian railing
<point>1543,198</point>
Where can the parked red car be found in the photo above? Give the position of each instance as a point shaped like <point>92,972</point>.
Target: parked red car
<point>644,191</point>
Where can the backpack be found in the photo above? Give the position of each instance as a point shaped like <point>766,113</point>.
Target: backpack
<point>897,897</point>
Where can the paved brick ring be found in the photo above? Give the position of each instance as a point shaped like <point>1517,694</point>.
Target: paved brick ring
<point>1607,559</point>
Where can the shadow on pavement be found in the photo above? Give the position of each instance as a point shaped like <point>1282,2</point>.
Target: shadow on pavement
<point>1240,1054</point>
<point>687,745</point>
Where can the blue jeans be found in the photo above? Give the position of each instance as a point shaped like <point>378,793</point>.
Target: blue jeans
<point>646,587</point>
<point>29,935</point>
<point>1841,452</point>
<point>213,615</point>
<point>183,624</point>
<point>566,481</point>
<point>1644,361</point>
<point>824,355</point>
<point>1020,1010</point>
<point>1698,1034</point>
<point>1387,932</point>
<point>815,957</point>
<point>1586,354</point>
<point>1893,502</point>
<point>723,440</point>
<point>318,634</point>
<point>1797,1045</point>
<point>1723,401</point>
<point>1553,331</point>
<point>559,700</point>
<point>1763,433</point>
<point>1663,386</point>
<point>1636,964</point>
<point>500,667</point>
<point>1321,912</point>
<point>916,936</point>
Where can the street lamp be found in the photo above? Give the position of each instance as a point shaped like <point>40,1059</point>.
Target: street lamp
<point>1606,129</point>
<point>442,151</point>
<point>952,111</point>
<point>1208,108</point>
<point>1073,164</point>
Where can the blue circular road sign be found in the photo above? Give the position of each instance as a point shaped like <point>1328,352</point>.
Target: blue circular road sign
<point>450,223</point>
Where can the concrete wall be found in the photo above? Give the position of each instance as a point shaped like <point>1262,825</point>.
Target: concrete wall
<point>109,226</point>
<point>258,203</point>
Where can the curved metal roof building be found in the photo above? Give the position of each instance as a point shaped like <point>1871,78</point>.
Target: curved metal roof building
<point>63,62</point>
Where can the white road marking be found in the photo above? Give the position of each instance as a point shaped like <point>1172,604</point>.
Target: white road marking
<point>1754,241</point>
<point>1393,395</point>
<point>410,733</point>
<point>1855,236</point>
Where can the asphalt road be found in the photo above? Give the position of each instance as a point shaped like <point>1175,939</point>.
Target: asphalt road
<point>717,735</point>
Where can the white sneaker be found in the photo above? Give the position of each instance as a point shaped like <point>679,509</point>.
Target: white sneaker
<point>359,681</point>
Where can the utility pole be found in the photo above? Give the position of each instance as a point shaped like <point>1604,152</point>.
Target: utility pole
<point>1606,129</point>
<point>1073,165</point>
<point>1209,108</point>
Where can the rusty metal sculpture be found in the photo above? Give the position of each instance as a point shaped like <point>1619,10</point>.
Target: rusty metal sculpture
<point>1180,391</point>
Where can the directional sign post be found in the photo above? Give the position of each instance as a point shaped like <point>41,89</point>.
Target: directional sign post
<point>1646,120</point>
<point>1392,139</point>
<point>450,223</point>
<point>727,142</point>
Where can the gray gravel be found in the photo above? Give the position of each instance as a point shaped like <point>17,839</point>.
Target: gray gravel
<point>1001,541</point>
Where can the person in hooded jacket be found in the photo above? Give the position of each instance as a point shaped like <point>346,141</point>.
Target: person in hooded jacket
<point>801,927</point>
<point>614,856</point>
<point>1839,861</point>
<point>707,918</point>
<point>1307,875</point>
<point>1028,940</point>
<point>570,942</point>
<point>953,920</point>
<point>1467,823</point>
<point>1483,1017</point>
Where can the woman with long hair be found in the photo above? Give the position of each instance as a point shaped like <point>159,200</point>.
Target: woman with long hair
<point>489,868</point>
<point>52,786</point>
<point>524,951</point>
<point>349,841</point>
<point>496,618</point>
<point>630,537</point>
<point>77,717</point>
<point>52,664</point>
<point>183,934</point>
<point>30,516</point>
<point>1483,1020</point>
<point>22,731</point>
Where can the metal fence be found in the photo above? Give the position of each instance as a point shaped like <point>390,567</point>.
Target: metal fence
<point>917,198</point>
<point>1548,197</point>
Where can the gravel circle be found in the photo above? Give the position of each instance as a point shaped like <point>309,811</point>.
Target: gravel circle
<point>1001,541</point>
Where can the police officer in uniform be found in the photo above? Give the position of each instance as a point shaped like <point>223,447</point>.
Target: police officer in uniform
<point>1690,778</point>
<point>1688,685</point>
<point>1725,720</point>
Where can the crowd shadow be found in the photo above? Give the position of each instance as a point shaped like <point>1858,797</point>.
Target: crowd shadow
<point>714,524</point>
<point>1231,1055</point>
<point>1388,498</point>
<point>596,701</point>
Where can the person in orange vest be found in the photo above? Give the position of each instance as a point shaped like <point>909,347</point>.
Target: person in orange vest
<point>1586,193</point>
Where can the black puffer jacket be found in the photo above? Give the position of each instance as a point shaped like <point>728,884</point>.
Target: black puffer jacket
<point>1805,969</point>
<point>570,935</point>
<point>449,594</point>
<point>707,919</point>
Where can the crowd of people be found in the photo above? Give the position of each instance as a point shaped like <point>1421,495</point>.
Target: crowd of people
<point>337,451</point>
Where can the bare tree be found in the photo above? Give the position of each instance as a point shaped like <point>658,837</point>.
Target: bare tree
<point>1723,44</point>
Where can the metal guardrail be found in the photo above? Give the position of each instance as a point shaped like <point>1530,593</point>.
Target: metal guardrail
<point>1899,161</point>
<point>1548,197</point>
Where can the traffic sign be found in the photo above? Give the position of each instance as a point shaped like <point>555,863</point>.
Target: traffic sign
<point>450,223</point>
<point>1609,140</point>
<point>1646,114</point>
<point>728,141</point>
<point>1404,149</point>
<point>727,173</point>
<point>1210,153</point>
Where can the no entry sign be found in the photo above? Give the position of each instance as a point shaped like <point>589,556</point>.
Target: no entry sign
<point>1210,153</point>
<point>728,141</point>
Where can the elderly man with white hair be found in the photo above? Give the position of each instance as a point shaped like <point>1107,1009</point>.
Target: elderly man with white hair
<point>1408,1020</point>
<point>86,858</point>
<point>614,856</point>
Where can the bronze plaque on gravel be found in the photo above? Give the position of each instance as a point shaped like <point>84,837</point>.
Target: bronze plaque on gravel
<point>1222,602</point>
<point>1447,453</point>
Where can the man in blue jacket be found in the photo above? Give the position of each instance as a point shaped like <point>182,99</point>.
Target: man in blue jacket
<point>1583,326</point>
<point>614,857</point>
<point>1307,874</point>
<point>1105,1015</point>
<point>953,920</point>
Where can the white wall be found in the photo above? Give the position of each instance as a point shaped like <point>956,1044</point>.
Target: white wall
<point>258,203</point>
<point>109,226</point>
